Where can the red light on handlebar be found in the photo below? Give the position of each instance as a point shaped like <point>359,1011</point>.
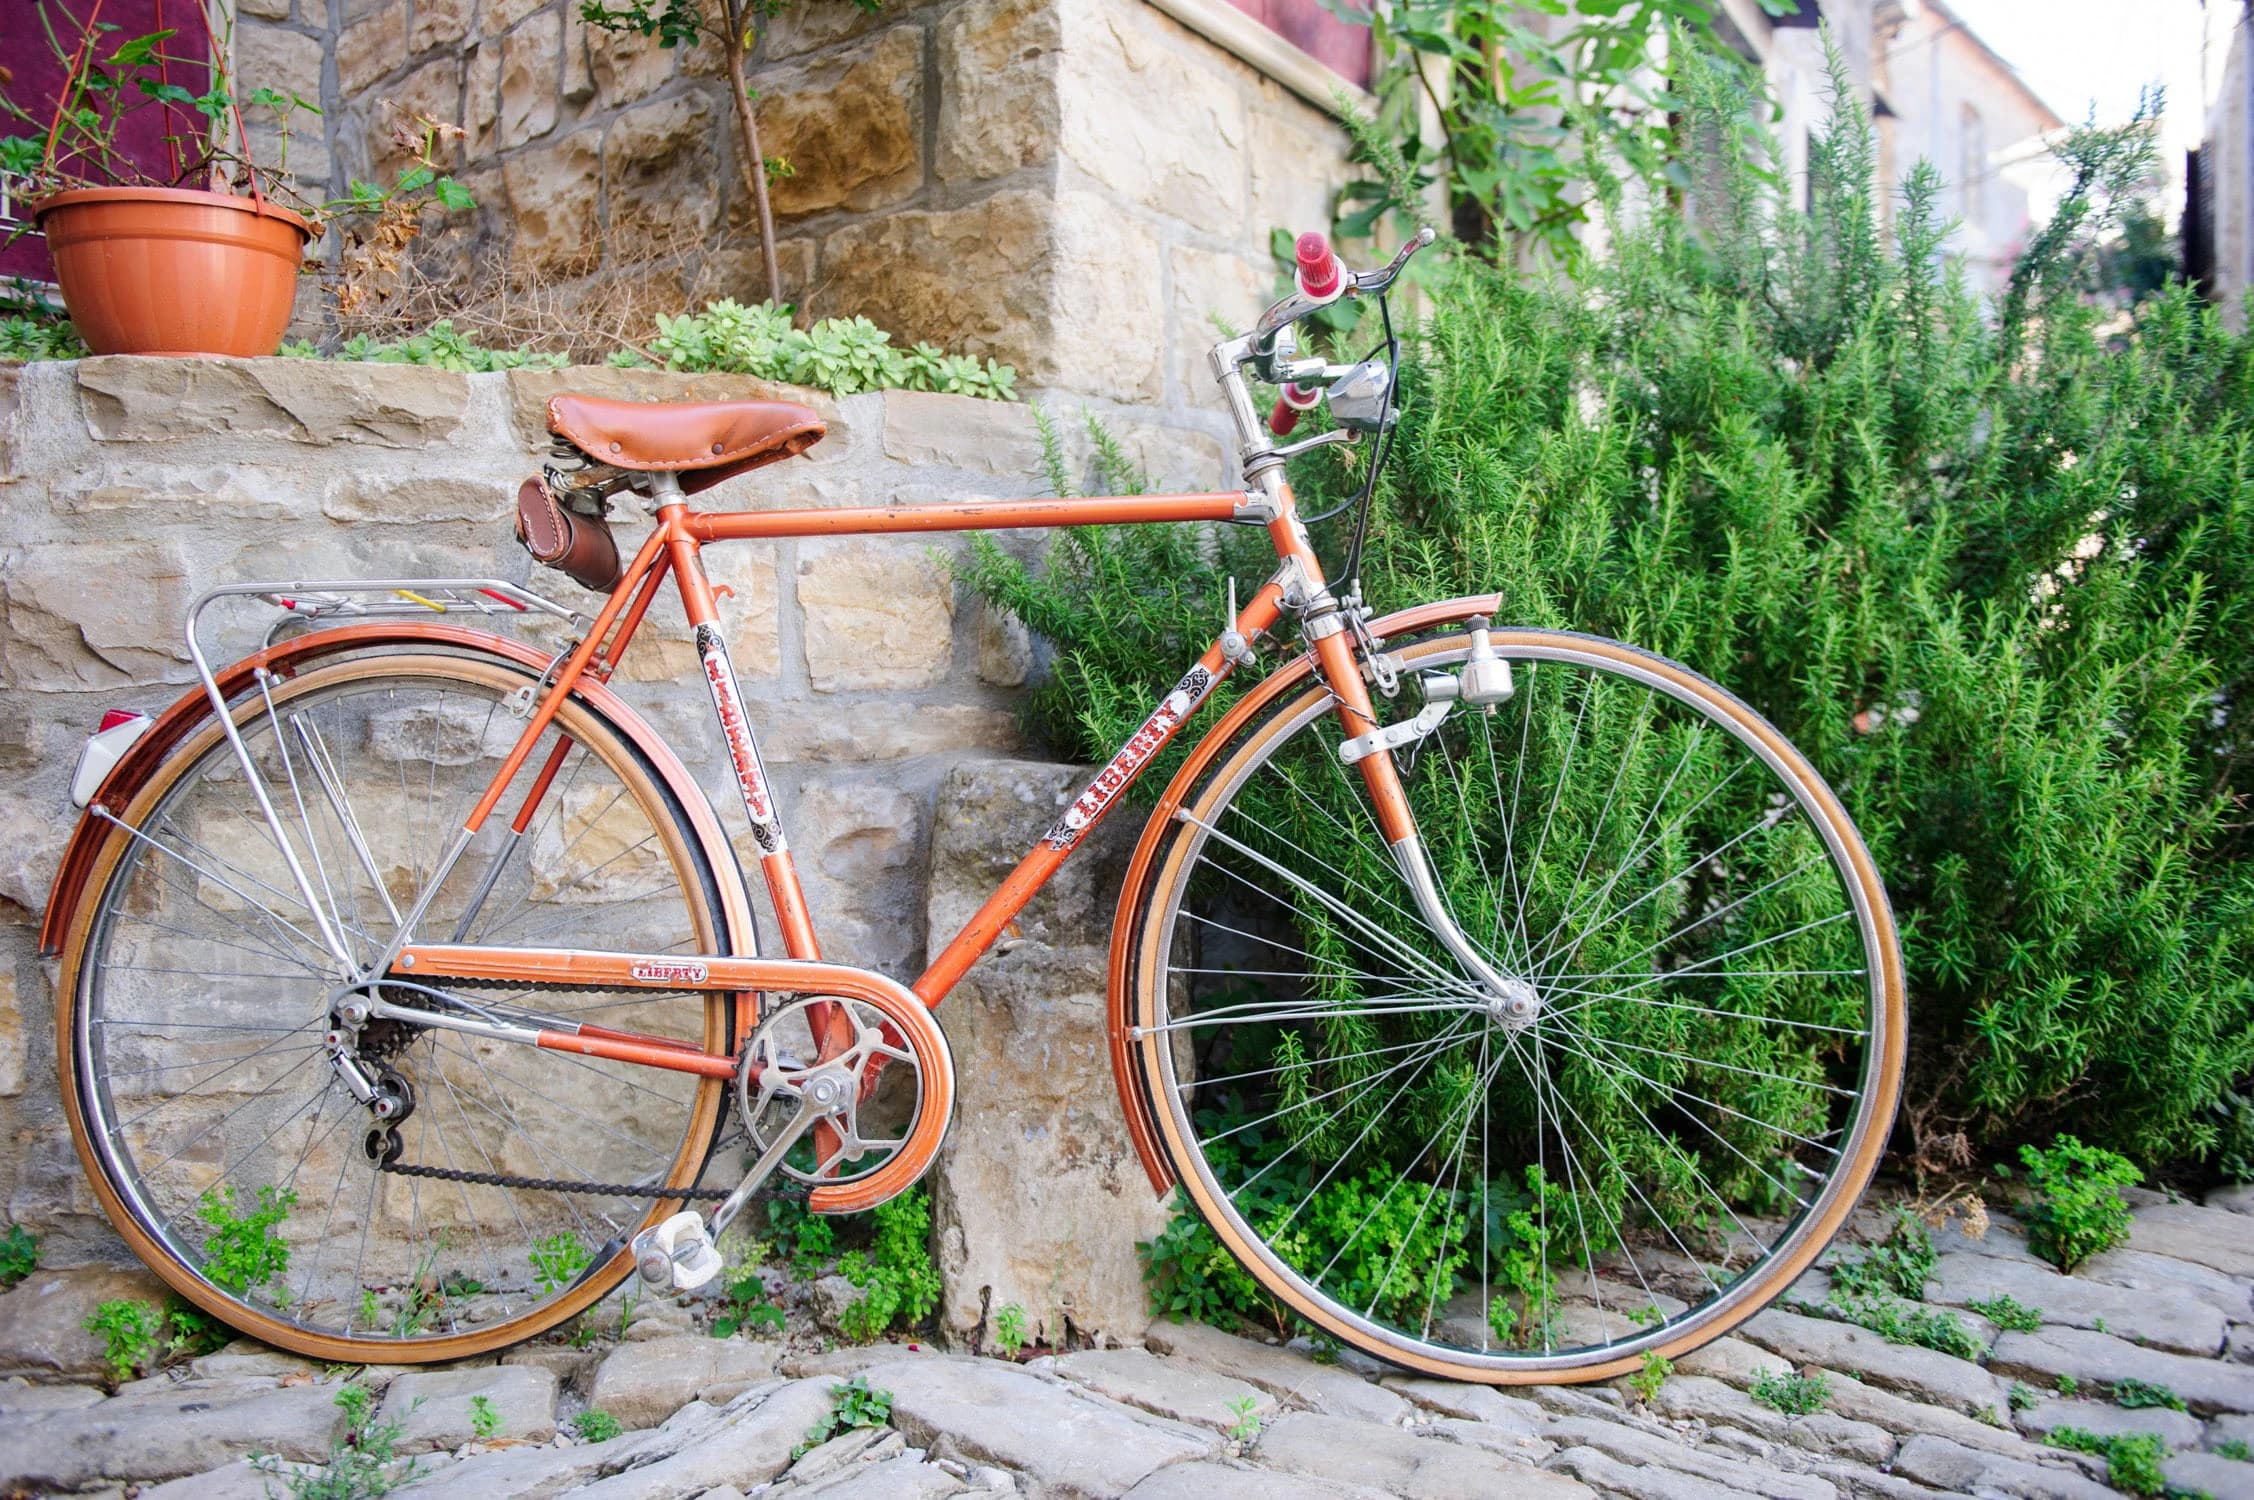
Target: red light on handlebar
<point>1320,274</point>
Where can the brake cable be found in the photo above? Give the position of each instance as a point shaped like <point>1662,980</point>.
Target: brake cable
<point>1361,503</point>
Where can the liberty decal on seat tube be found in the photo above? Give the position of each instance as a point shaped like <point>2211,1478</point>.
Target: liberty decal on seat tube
<point>1172,712</point>
<point>743,751</point>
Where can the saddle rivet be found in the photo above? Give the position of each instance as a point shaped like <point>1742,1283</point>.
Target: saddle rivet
<point>716,447</point>
<point>614,447</point>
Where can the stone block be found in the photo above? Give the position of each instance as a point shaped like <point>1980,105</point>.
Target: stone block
<point>12,1041</point>
<point>878,614</point>
<point>555,194</point>
<point>626,66</point>
<point>644,1383</point>
<point>1287,1374</point>
<point>2099,1359</point>
<point>1210,287</point>
<point>11,404</point>
<point>999,104</point>
<point>851,127</point>
<point>151,496</point>
<point>1148,123</point>
<point>977,278</point>
<point>481,100</point>
<point>166,1435</point>
<point>531,58</point>
<point>370,48</point>
<point>1399,1462</point>
<point>43,1320</point>
<point>305,401</point>
<point>440,23</point>
<point>990,813</point>
<point>1005,648</point>
<point>661,171</point>
<point>962,432</point>
<point>2210,1237</point>
<point>2184,1325</point>
<point>274,57</point>
<point>1166,1388</point>
<point>1298,162</point>
<point>799,29</point>
<point>82,614</point>
<point>359,496</point>
<point>497,16</point>
<point>1955,1469</point>
<point>435,1408</point>
<point>1108,279</point>
<point>816,734</point>
<point>751,1443</point>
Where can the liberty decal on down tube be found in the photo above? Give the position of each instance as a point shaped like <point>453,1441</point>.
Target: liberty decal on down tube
<point>1172,712</point>
<point>743,751</point>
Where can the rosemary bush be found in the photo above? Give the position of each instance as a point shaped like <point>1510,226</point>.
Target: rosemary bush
<point>1992,568</point>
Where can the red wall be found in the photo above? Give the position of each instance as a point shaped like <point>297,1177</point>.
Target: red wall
<point>1316,32</point>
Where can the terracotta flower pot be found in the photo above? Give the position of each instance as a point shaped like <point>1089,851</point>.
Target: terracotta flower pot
<point>174,270</point>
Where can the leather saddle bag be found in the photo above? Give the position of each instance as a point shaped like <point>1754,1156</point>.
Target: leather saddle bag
<point>579,546</point>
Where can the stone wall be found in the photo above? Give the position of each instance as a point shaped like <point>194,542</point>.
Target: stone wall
<point>1073,186</point>
<point>129,485</point>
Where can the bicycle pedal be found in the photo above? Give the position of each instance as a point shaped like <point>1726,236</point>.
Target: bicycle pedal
<point>677,1252</point>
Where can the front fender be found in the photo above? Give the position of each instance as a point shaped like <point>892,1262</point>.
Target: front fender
<point>1286,679</point>
<point>193,708</point>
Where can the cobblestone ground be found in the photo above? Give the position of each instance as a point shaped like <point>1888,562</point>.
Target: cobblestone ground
<point>1199,1415</point>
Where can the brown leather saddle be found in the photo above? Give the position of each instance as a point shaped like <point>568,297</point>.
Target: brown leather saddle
<point>704,442</point>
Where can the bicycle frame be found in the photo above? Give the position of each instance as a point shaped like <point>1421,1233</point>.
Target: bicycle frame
<point>673,550</point>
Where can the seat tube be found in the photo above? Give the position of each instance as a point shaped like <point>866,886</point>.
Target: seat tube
<point>719,670</point>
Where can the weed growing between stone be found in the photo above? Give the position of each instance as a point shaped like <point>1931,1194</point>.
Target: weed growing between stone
<point>361,1462</point>
<point>1899,1265</point>
<point>1793,1394</point>
<point>243,1249</point>
<point>2132,1460</point>
<point>2009,1314</point>
<point>747,1304</point>
<point>2236,1449</point>
<point>19,1255</point>
<point>1901,1322</point>
<point>557,1259</point>
<point>2077,1210</point>
<point>2141,1395</point>
<point>1246,1426</point>
<point>131,1335</point>
<point>853,1404</point>
<point>595,1425</point>
<point>485,1418</point>
<point>898,1282</point>
<point>1647,1381</point>
<point>2023,1397</point>
<point>1009,1330</point>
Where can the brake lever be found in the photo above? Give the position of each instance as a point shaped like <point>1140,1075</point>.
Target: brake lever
<point>1385,276</point>
<point>1264,342</point>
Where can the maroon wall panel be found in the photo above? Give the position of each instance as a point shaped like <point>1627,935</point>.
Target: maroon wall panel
<point>1316,32</point>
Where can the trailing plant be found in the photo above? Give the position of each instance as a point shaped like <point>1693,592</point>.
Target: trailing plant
<point>19,1255</point>
<point>1793,1394</point>
<point>438,346</point>
<point>242,1249</point>
<point>899,1284</point>
<point>2009,1314</point>
<point>2077,1210</point>
<point>843,356</point>
<point>594,1425</point>
<point>853,1404</point>
<point>1990,567</point>
<point>2132,1460</point>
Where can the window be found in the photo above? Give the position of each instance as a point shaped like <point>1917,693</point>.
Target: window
<point>1340,45</point>
<point>1972,165</point>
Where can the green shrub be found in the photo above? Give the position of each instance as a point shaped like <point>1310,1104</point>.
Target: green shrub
<point>29,338</point>
<point>899,1284</point>
<point>2132,1460</point>
<point>2238,1450</point>
<point>748,1305</point>
<point>2077,1211</point>
<point>242,1251</point>
<point>132,1335</point>
<point>1900,1264</point>
<point>595,1425</point>
<point>1991,569</point>
<point>2009,1314</point>
<point>19,1255</point>
<point>2140,1395</point>
<point>1794,1395</point>
<point>1900,1322</point>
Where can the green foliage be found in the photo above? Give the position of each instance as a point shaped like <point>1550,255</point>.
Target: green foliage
<point>1900,1322</point>
<point>1991,569</point>
<point>361,1461</point>
<point>1009,1330</point>
<point>485,1417</point>
<point>557,1259</point>
<point>810,1238</point>
<point>2139,1395</point>
<point>853,1404</point>
<point>748,1305</point>
<point>2235,1449</point>
<point>2077,1211</point>
<point>131,1335</point>
<point>1245,1410</point>
<point>840,355</point>
<point>28,338</point>
<point>244,1250</point>
<point>1647,1381</point>
<point>2009,1314</point>
<point>2068,1385</point>
<point>191,1331</point>
<point>19,1255</point>
<point>439,346</point>
<point>1899,1265</point>
<point>2023,1397</point>
<point>899,1284</point>
<point>1533,101</point>
<point>2132,1460</point>
<point>594,1425</point>
<point>1794,1395</point>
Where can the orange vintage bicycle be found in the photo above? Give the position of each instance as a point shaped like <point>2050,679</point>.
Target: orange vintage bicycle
<point>1510,1003</point>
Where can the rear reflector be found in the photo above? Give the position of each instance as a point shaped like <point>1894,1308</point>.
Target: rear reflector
<point>104,748</point>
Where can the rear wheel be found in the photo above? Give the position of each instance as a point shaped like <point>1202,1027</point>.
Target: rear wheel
<point>197,988</point>
<point>1633,1164</point>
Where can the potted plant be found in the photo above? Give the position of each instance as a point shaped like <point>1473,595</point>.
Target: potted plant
<point>171,240</point>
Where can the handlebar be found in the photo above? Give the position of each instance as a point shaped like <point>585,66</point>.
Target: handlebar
<point>1323,280</point>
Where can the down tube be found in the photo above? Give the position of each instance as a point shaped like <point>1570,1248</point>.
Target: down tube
<point>1133,758</point>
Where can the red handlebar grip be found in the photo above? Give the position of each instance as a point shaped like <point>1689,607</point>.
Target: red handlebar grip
<point>1319,271</point>
<point>1293,400</point>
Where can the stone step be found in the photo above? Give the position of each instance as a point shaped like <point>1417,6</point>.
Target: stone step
<point>2097,1360</point>
<point>2181,1324</point>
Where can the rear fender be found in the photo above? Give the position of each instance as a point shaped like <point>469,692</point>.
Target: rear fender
<point>1284,681</point>
<point>193,709</point>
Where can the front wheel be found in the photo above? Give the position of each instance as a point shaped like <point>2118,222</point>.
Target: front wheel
<point>1699,1093</point>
